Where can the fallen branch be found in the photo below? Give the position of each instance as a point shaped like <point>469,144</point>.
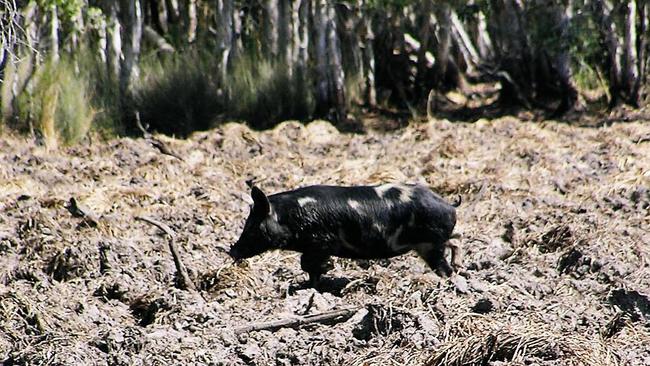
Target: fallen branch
<point>78,211</point>
<point>184,281</point>
<point>161,146</point>
<point>329,317</point>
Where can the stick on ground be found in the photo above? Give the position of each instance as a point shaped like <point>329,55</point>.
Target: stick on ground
<point>184,281</point>
<point>329,317</point>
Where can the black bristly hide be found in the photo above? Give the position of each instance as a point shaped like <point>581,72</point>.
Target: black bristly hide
<point>365,222</point>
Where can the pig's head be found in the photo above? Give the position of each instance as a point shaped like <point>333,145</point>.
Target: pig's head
<point>261,231</point>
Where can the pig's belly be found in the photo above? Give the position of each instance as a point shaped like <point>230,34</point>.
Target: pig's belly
<point>370,250</point>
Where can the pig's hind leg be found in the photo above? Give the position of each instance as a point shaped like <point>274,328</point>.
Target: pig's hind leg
<point>315,265</point>
<point>434,255</point>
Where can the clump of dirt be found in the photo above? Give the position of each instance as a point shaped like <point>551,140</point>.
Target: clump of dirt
<point>553,226</point>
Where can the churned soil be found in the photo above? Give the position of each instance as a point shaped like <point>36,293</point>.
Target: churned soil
<point>555,225</point>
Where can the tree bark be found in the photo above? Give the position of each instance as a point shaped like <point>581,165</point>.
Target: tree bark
<point>54,33</point>
<point>192,22</point>
<point>370,94</point>
<point>224,20</point>
<point>131,19</point>
<point>113,40</point>
<point>464,42</point>
<point>270,23</point>
<point>607,28</point>
<point>562,60</point>
<point>295,35</point>
<point>285,48</point>
<point>485,47</point>
<point>330,92</point>
<point>631,61</point>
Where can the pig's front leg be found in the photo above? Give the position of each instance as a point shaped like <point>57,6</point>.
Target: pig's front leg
<point>434,255</point>
<point>315,264</point>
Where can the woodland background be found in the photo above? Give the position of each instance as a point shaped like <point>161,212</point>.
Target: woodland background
<point>68,66</point>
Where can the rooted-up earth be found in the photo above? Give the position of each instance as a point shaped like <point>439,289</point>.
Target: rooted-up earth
<point>555,225</point>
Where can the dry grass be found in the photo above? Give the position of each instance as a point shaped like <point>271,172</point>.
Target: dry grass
<point>554,223</point>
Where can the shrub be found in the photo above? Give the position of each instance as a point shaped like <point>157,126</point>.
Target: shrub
<point>178,96</point>
<point>57,103</point>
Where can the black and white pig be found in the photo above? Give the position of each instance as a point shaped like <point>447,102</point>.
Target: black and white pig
<point>364,222</point>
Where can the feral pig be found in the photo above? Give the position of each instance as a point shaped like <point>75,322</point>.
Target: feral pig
<point>364,222</point>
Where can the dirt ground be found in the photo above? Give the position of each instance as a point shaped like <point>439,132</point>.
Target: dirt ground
<point>555,225</point>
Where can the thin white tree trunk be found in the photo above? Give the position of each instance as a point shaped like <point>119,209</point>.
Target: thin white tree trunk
<point>54,33</point>
<point>336,65</point>
<point>131,14</point>
<point>485,47</point>
<point>271,28</point>
<point>285,46</point>
<point>464,41</point>
<point>224,15</point>
<point>368,62</point>
<point>192,22</point>
<point>603,14</point>
<point>631,61</point>
<point>320,51</point>
<point>295,35</point>
<point>114,40</point>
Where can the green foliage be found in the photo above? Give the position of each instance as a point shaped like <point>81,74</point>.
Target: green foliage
<point>57,103</point>
<point>178,96</point>
<point>263,93</point>
<point>186,93</point>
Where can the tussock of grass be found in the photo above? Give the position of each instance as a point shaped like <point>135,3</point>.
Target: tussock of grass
<point>179,96</point>
<point>58,104</point>
<point>187,94</point>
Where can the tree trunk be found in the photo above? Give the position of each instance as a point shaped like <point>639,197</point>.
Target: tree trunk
<point>113,40</point>
<point>270,23</point>
<point>131,19</point>
<point>191,21</point>
<point>224,20</point>
<point>54,33</point>
<point>336,66</point>
<point>284,35</point>
<point>295,35</point>
<point>370,94</point>
<point>642,45</point>
<point>423,66</point>
<point>607,28</point>
<point>464,42</point>
<point>562,62</point>
<point>485,47</point>
<point>630,61</point>
<point>330,92</point>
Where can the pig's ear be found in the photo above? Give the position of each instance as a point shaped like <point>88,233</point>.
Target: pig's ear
<point>261,205</point>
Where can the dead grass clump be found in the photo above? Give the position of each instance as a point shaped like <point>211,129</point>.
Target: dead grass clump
<point>499,342</point>
<point>145,308</point>
<point>224,277</point>
<point>68,263</point>
<point>554,239</point>
<point>635,304</point>
<point>382,321</point>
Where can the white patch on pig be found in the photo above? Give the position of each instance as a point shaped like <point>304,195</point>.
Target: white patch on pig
<point>274,215</point>
<point>405,193</point>
<point>303,201</point>
<point>355,205</point>
<point>393,240</point>
<point>382,189</point>
<point>380,228</point>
